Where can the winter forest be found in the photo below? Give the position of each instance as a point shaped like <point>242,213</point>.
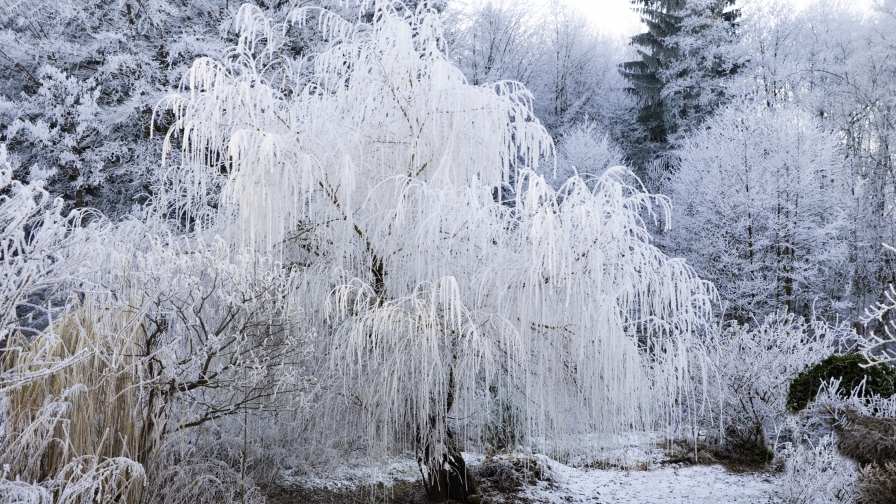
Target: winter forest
<point>371,251</point>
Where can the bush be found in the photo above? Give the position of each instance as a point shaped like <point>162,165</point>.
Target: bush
<point>865,428</point>
<point>141,393</point>
<point>816,473</point>
<point>500,434</point>
<point>752,367</point>
<point>850,369</point>
<point>866,439</point>
<point>71,386</point>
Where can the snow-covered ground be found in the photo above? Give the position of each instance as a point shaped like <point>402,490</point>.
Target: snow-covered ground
<point>691,485</point>
<point>358,474</point>
<point>652,484</point>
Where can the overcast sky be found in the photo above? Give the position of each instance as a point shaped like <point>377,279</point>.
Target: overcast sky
<point>616,16</point>
<point>610,16</point>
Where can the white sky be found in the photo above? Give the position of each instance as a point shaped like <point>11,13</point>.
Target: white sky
<point>616,16</point>
<point>609,16</point>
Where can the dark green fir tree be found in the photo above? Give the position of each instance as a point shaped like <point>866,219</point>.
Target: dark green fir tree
<point>684,58</point>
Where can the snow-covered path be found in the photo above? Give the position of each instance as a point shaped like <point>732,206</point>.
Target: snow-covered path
<point>686,485</point>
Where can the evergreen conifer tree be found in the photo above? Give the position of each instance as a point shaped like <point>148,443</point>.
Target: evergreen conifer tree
<point>683,57</point>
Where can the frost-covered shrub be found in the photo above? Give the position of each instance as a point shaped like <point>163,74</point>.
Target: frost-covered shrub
<point>865,428</point>
<point>223,346</point>
<point>851,371</point>
<point>500,432</point>
<point>171,336</point>
<point>67,412</point>
<point>865,436</point>
<point>584,151</point>
<point>881,345</point>
<point>816,473</point>
<point>877,484</point>
<point>862,429</point>
<point>42,252</point>
<point>509,474</point>
<point>748,372</point>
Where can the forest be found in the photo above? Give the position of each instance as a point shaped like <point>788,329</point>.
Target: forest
<point>245,245</point>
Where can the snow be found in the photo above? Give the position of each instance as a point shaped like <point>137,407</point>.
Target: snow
<point>361,472</point>
<point>670,484</point>
<point>657,484</point>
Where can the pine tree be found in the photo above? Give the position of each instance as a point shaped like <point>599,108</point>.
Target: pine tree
<point>644,73</point>
<point>684,56</point>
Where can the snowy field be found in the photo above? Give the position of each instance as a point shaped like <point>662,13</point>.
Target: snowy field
<point>693,485</point>
<point>697,484</point>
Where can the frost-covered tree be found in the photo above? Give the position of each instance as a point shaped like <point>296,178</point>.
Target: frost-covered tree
<point>495,41</point>
<point>79,80</point>
<point>684,57</point>
<point>706,55</point>
<point>373,170</point>
<point>584,152</point>
<point>836,62</point>
<point>858,79</point>
<point>578,80</point>
<point>761,199</point>
<point>569,68</point>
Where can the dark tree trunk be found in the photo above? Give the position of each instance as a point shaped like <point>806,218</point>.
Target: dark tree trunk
<point>447,476</point>
<point>452,480</point>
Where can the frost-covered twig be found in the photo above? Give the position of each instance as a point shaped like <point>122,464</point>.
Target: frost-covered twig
<point>877,346</point>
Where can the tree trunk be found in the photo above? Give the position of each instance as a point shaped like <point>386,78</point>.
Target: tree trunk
<point>447,476</point>
<point>452,480</point>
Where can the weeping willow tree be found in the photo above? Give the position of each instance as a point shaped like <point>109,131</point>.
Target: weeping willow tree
<point>377,171</point>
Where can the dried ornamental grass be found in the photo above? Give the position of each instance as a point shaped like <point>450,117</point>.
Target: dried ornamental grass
<point>71,410</point>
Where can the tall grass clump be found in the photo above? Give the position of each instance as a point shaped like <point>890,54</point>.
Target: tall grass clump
<point>70,410</point>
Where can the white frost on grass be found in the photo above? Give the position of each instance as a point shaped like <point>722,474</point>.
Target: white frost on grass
<point>360,474</point>
<point>671,484</point>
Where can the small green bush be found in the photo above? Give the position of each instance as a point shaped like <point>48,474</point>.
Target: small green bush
<point>880,379</point>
